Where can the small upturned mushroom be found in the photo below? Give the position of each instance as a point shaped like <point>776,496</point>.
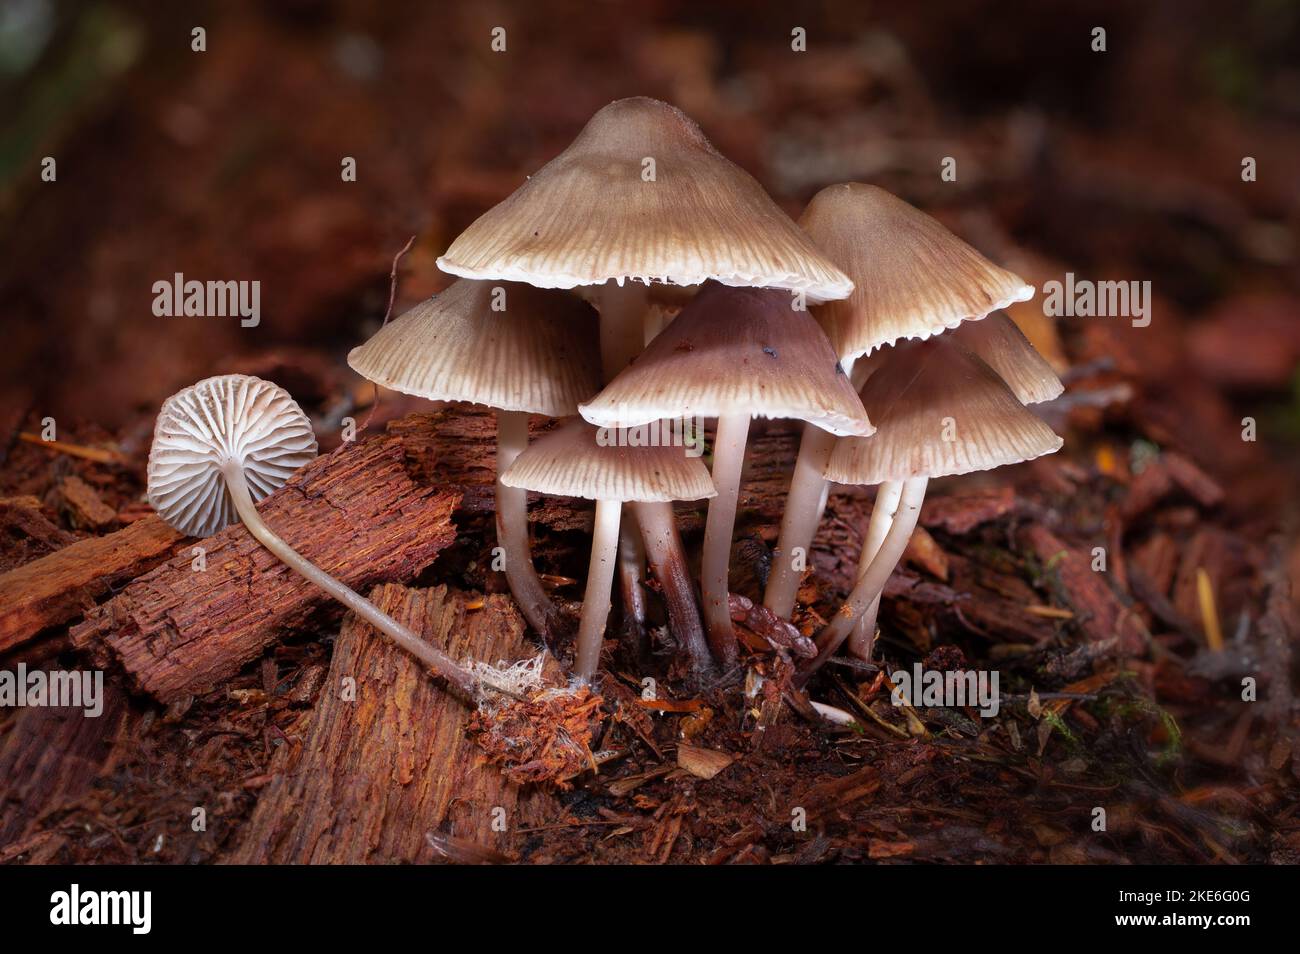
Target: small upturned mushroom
<point>223,444</point>
<point>912,279</point>
<point>517,349</point>
<point>571,462</point>
<point>939,410</point>
<point>639,200</point>
<point>732,354</point>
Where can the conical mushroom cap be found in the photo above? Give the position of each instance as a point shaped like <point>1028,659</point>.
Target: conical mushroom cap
<point>234,417</point>
<point>912,277</point>
<point>536,352</point>
<point>595,213</point>
<point>734,351</point>
<point>1004,348</point>
<point>938,410</point>
<point>571,461</point>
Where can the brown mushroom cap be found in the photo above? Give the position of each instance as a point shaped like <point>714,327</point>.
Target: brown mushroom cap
<point>1005,349</point>
<point>735,351</point>
<point>538,354</point>
<point>570,461</point>
<point>589,216</point>
<point>912,277</point>
<point>926,391</point>
<point>233,417</point>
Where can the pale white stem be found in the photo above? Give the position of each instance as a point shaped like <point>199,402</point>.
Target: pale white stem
<point>624,310</point>
<point>882,518</point>
<point>871,583</point>
<point>668,563</point>
<point>804,505</point>
<point>459,678</point>
<point>600,578</point>
<point>627,324</point>
<point>512,531</point>
<point>728,460</point>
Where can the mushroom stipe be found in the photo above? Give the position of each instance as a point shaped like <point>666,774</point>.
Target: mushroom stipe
<point>871,583</point>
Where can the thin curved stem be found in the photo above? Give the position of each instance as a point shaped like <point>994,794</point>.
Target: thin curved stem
<point>512,532</point>
<point>631,563</point>
<point>872,583</point>
<point>626,323</point>
<point>803,512</point>
<point>600,578</point>
<point>462,682</point>
<point>668,563</point>
<point>804,505</point>
<point>728,460</point>
<point>882,518</point>
<point>623,313</point>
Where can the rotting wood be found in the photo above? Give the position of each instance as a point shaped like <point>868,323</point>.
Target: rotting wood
<point>51,756</point>
<point>26,534</point>
<point>85,508</point>
<point>380,769</point>
<point>456,447</point>
<point>356,513</point>
<point>57,588</point>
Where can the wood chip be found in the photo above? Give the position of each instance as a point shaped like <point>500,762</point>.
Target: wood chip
<point>84,505</point>
<point>56,588</point>
<point>922,551</point>
<point>701,762</point>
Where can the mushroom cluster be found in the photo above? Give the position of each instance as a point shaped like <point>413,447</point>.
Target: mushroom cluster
<point>710,303</point>
<point>635,286</point>
<point>638,214</point>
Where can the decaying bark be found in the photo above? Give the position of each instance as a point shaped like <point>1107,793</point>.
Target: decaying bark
<point>29,534</point>
<point>385,760</point>
<point>58,587</point>
<point>84,506</point>
<point>356,513</point>
<point>456,448</point>
<point>49,758</point>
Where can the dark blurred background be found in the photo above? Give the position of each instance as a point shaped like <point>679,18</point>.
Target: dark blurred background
<point>225,164</point>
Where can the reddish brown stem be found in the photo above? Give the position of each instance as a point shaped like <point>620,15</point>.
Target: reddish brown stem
<point>668,563</point>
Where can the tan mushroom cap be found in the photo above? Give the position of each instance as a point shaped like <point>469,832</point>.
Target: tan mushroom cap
<point>571,461</point>
<point>912,277</point>
<point>233,417</point>
<point>735,351</point>
<point>506,345</point>
<point>590,215</point>
<point>1004,348</point>
<point>924,392</point>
